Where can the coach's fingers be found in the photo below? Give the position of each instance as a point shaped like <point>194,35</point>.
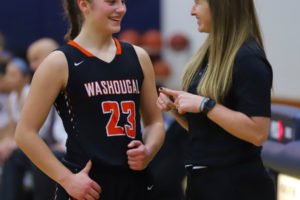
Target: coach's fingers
<point>165,98</point>
<point>169,92</point>
<point>162,105</point>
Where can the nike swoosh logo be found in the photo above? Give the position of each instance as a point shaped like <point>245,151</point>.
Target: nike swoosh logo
<point>150,187</point>
<point>78,63</point>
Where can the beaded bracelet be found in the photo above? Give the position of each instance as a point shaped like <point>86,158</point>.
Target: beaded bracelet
<point>202,103</point>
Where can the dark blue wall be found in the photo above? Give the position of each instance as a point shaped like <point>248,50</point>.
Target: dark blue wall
<point>22,22</point>
<point>142,15</point>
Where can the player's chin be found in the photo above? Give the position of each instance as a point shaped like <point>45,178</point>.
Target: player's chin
<point>115,29</point>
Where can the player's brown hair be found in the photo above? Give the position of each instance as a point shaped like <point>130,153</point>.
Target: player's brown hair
<point>75,18</point>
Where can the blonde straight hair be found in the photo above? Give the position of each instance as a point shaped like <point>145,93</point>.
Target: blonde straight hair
<point>234,22</point>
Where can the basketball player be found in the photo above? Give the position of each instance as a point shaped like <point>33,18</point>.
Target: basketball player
<point>101,88</point>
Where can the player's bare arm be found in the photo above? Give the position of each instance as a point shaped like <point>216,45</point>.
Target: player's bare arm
<point>153,135</point>
<point>53,71</point>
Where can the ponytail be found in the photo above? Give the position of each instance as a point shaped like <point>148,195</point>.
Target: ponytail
<point>75,18</point>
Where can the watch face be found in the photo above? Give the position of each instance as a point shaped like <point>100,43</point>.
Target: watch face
<point>208,105</point>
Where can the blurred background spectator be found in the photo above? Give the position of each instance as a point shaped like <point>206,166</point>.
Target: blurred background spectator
<point>18,171</point>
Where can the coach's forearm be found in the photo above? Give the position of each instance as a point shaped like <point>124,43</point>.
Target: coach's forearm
<point>254,129</point>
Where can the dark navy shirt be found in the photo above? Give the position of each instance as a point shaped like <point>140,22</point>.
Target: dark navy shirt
<point>250,93</point>
<point>100,105</point>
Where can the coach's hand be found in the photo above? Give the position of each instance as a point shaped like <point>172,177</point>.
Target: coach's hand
<point>183,101</point>
<point>138,158</point>
<point>81,187</point>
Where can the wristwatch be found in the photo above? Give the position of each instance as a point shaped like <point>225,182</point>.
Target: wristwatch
<point>208,105</point>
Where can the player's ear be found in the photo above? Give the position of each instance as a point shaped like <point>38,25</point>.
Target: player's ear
<point>84,6</point>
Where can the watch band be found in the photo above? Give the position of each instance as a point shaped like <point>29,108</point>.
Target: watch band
<point>208,105</point>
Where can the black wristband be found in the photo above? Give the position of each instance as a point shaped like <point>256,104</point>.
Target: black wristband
<point>208,105</point>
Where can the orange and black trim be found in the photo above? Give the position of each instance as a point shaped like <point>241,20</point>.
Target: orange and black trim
<point>119,49</point>
<point>74,44</point>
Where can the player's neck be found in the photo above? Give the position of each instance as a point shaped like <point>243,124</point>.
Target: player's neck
<point>101,46</point>
<point>93,38</point>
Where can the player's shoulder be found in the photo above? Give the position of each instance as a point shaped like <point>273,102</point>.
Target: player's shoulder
<point>55,62</point>
<point>56,58</point>
<point>141,53</point>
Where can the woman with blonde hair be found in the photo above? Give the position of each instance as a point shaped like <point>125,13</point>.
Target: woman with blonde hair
<point>225,105</point>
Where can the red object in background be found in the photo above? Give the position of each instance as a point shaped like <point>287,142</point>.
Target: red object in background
<point>130,36</point>
<point>178,42</point>
<point>161,68</point>
<point>280,130</point>
<point>152,41</point>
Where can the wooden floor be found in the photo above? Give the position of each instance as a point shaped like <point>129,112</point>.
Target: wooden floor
<point>289,102</point>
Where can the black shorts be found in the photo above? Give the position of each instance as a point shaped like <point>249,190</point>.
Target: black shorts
<point>244,181</point>
<point>116,185</point>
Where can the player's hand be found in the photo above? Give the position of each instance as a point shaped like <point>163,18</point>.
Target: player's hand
<point>81,187</point>
<point>183,101</point>
<point>138,158</point>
